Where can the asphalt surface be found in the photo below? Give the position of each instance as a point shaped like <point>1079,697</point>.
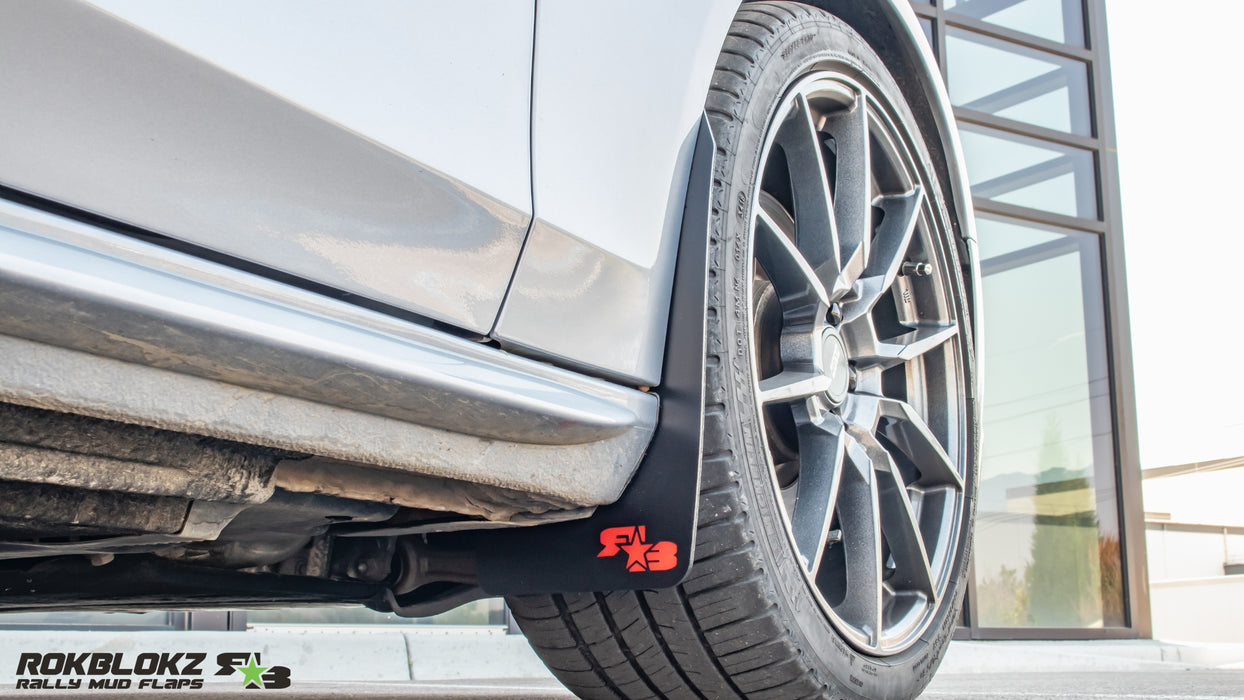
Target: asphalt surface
<point>1206,684</point>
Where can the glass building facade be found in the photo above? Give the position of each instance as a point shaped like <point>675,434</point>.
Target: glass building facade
<point>1059,549</point>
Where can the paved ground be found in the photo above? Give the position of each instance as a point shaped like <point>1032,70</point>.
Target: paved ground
<point>1206,684</point>
<point>1209,684</point>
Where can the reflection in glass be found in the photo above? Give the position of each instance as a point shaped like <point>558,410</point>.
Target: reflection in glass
<point>1008,80</point>
<point>1029,172</point>
<point>1047,544</point>
<point>1056,20</point>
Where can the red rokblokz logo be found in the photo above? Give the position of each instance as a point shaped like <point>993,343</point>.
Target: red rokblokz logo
<point>640,555</point>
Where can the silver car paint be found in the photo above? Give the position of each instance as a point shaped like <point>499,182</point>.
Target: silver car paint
<point>618,94</point>
<point>379,148</point>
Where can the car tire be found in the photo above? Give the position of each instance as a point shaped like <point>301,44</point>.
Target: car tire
<point>774,607</point>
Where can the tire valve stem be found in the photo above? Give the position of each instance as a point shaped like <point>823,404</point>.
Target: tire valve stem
<point>917,269</point>
<point>833,537</point>
<point>835,314</point>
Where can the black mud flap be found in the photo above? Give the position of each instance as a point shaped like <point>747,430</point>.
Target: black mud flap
<point>646,539</point>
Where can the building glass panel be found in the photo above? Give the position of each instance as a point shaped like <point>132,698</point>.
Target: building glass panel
<point>997,77</point>
<point>1056,20</point>
<point>1028,172</point>
<point>1047,538</point>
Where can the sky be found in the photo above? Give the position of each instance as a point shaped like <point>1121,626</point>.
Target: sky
<point>1179,111</point>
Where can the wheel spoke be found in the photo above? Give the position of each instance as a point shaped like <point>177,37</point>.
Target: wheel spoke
<point>821,450</point>
<point>906,429</point>
<point>900,527</point>
<point>816,232</point>
<point>790,385</point>
<point>902,211</point>
<point>800,291</point>
<point>859,519</point>
<point>908,346</point>
<point>853,187</point>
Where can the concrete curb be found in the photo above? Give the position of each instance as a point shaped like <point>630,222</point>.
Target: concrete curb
<point>461,657</point>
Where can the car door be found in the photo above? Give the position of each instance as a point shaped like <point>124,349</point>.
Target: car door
<point>378,148</point>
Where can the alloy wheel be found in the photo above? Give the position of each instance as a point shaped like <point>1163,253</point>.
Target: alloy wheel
<point>858,381</point>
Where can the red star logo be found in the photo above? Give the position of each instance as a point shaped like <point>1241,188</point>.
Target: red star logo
<point>637,555</point>
<point>641,556</point>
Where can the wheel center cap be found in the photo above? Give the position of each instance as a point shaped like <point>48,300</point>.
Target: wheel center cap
<point>834,366</point>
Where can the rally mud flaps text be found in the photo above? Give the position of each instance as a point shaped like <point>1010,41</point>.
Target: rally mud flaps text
<point>145,671</point>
